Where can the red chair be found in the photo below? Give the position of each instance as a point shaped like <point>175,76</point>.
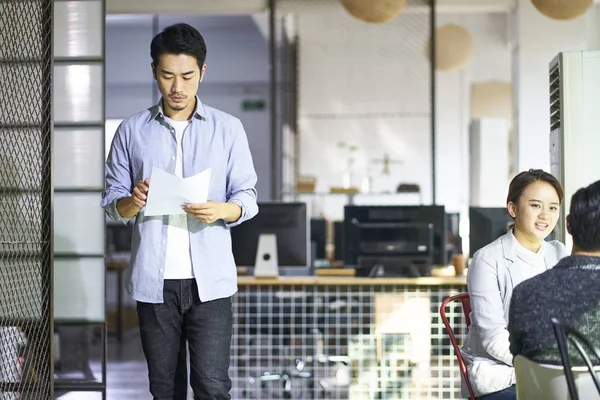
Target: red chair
<point>466,306</point>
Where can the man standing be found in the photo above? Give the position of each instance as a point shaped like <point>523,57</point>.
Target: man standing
<point>182,271</point>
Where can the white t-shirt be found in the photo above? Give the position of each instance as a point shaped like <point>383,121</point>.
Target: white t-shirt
<point>178,262</point>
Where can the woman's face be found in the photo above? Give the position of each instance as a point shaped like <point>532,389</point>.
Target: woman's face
<point>537,211</point>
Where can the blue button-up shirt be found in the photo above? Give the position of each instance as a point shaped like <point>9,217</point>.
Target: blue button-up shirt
<point>213,140</point>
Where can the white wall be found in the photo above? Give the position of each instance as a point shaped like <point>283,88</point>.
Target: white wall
<point>367,86</point>
<point>593,28</point>
<point>540,39</point>
<point>379,61</point>
<point>488,162</point>
<point>491,62</point>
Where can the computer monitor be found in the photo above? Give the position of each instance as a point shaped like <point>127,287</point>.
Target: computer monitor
<point>318,238</point>
<point>402,240</point>
<point>453,239</point>
<point>338,240</point>
<point>288,224</point>
<point>453,223</point>
<point>486,224</point>
<point>118,237</point>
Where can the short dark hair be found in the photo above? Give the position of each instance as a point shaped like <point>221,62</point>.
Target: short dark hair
<point>584,218</point>
<point>179,39</point>
<point>524,179</point>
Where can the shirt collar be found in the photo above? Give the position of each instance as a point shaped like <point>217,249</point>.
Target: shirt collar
<point>521,250</point>
<point>510,246</point>
<point>156,111</point>
<point>580,262</point>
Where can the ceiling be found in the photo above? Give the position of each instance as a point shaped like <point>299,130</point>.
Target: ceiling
<point>216,7</point>
<point>206,21</point>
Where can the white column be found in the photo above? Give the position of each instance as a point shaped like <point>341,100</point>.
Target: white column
<point>593,28</point>
<point>488,164</point>
<point>539,39</point>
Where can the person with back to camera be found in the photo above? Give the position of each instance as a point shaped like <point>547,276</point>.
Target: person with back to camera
<point>533,202</point>
<point>569,291</point>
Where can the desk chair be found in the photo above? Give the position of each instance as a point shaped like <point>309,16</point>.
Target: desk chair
<point>466,307</point>
<point>537,381</point>
<point>564,334</point>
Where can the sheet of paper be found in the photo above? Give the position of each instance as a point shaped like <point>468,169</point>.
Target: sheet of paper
<point>168,192</point>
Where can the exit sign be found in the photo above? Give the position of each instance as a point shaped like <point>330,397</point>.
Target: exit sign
<point>253,105</point>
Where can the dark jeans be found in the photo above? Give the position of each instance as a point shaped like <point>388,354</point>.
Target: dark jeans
<point>181,372</point>
<point>510,393</point>
<point>207,327</point>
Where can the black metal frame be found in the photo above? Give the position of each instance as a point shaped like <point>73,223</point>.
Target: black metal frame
<point>432,23</point>
<point>564,334</point>
<point>47,188</point>
<point>72,385</point>
<point>275,143</point>
<point>43,348</point>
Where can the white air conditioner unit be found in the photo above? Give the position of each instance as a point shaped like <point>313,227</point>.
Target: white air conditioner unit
<point>574,125</point>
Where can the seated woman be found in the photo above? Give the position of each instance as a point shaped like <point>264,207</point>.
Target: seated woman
<point>533,202</point>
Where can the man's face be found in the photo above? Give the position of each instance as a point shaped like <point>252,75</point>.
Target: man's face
<point>178,77</point>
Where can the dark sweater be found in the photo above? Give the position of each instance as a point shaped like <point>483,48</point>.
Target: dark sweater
<point>570,291</point>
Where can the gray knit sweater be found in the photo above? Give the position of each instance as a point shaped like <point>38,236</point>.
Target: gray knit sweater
<point>570,291</point>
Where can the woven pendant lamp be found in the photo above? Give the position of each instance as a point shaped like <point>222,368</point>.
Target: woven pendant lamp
<point>374,11</point>
<point>453,47</point>
<point>562,9</point>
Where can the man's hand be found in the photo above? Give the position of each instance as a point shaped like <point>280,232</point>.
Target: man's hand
<point>207,212</point>
<point>211,211</point>
<point>128,207</point>
<point>140,193</point>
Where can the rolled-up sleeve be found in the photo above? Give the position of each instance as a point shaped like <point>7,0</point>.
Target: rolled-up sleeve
<point>488,310</point>
<point>241,176</point>
<point>118,182</point>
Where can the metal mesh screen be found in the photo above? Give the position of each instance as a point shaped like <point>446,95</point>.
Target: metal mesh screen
<point>344,342</point>
<point>25,199</point>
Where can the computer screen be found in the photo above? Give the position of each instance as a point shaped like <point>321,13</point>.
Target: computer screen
<point>118,237</point>
<point>453,239</point>
<point>486,224</point>
<point>338,240</point>
<point>289,223</point>
<point>394,235</point>
<point>318,237</point>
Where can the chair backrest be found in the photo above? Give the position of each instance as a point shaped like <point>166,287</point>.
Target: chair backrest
<point>466,307</point>
<point>537,381</point>
<point>564,334</point>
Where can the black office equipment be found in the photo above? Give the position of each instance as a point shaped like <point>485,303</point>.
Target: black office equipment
<point>338,240</point>
<point>118,237</point>
<point>318,237</point>
<point>394,240</point>
<point>453,238</point>
<point>486,224</point>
